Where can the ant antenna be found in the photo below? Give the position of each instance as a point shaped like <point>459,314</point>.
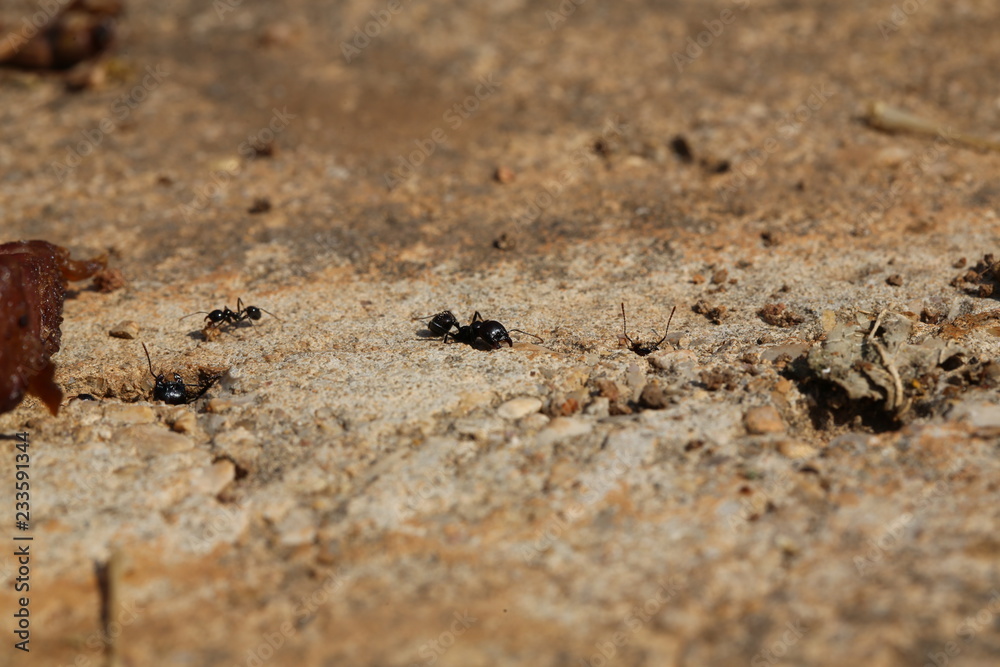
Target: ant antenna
<point>149,361</point>
<point>625,326</point>
<point>539,338</point>
<point>266,311</point>
<point>669,320</point>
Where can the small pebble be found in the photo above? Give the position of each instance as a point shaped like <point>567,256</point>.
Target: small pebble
<point>796,450</point>
<point>298,527</point>
<point>516,408</point>
<point>671,360</point>
<point>212,479</point>
<point>185,422</point>
<point>129,414</point>
<point>561,428</point>
<point>153,440</point>
<point>126,329</point>
<point>762,420</point>
<point>504,174</point>
<point>635,377</point>
<point>535,422</point>
<point>654,397</point>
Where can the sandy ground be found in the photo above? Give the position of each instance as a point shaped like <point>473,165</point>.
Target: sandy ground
<point>785,481</point>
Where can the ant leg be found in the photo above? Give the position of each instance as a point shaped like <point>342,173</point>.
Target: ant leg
<point>477,318</point>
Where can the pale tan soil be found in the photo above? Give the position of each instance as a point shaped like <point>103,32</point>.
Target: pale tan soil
<point>343,456</point>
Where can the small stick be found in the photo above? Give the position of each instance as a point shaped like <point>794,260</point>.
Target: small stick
<point>893,119</point>
<point>876,325</point>
<point>897,400</point>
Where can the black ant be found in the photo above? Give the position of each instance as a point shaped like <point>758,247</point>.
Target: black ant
<point>490,333</point>
<point>172,393</point>
<point>218,318</point>
<point>645,349</point>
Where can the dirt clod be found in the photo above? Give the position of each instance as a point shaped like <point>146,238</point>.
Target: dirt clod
<point>714,314</point>
<point>778,315</point>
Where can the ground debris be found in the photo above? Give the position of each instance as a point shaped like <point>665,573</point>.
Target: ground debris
<point>714,313</point>
<point>718,378</point>
<point>778,315</point>
<point>878,371</point>
<point>982,279</point>
<point>960,326</point>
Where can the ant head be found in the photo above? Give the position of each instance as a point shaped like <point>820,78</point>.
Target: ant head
<point>492,333</point>
<point>253,312</point>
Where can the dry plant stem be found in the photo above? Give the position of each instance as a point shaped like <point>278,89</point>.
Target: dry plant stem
<point>897,400</point>
<point>893,119</point>
<point>876,324</point>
